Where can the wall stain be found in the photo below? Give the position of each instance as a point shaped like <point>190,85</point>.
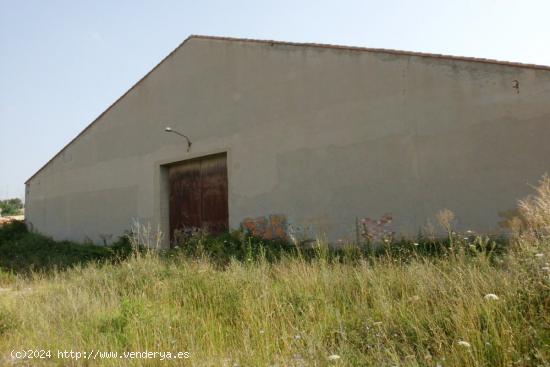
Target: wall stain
<point>516,85</point>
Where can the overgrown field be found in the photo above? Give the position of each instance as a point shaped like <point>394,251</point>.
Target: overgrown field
<point>465,304</point>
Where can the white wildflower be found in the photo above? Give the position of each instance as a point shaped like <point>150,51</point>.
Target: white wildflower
<point>463,343</point>
<point>491,297</point>
<point>297,337</point>
<point>416,244</point>
<point>333,357</point>
<point>540,254</point>
<point>262,331</point>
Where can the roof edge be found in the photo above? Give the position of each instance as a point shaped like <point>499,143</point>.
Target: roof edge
<point>108,108</point>
<point>380,50</point>
<point>299,44</point>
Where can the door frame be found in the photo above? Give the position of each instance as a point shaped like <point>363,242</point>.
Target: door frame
<point>162,186</point>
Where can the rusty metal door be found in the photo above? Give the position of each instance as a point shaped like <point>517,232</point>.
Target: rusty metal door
<point>198,195</point>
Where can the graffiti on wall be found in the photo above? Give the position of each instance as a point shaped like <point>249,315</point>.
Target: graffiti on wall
<point>272,227</point>
<point>375,230</point>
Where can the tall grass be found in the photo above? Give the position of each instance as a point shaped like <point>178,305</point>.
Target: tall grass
<point>467,306</point>
<point>292,312</point>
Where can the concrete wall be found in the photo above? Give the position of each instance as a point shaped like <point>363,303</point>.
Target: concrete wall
<point>322,135</point>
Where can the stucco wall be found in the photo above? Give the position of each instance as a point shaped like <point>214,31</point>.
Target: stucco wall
<point>321,135</point>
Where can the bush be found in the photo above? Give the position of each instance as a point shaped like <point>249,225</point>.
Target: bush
<point>24,251</point>
<point>12,231</point>
<point>10,207</point>
<point>235,245</point>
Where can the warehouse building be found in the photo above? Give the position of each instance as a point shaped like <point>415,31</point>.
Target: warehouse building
<point>273,136</point>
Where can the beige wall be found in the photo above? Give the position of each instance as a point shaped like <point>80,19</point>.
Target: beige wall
<point>321,135</point>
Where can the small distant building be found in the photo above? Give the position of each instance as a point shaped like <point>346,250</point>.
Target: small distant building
<point>301,135</point>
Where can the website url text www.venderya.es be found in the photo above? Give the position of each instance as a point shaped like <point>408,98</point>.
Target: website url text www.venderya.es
<point>97,354</point>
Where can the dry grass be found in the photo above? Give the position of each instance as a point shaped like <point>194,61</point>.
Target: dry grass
<point>535,210</point>
<point>290,313</point>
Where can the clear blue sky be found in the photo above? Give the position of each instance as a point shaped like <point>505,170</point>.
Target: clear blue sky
<point>63,62</point>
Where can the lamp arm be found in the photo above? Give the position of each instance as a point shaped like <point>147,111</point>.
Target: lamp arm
<point>186,138</point>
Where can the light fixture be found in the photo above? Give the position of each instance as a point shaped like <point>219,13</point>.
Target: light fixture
<point>168,129</point>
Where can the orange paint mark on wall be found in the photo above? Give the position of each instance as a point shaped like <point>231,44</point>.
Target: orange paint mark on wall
<point>269,229</point>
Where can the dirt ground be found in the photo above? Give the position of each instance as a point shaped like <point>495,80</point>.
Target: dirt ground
<point>5,220</point>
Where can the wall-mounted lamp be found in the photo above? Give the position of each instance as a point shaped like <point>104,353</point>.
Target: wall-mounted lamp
<point>168,129</point>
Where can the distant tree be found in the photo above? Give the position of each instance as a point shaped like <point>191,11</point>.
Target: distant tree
<point>10,207</point>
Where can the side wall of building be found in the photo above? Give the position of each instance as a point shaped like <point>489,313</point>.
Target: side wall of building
<point>320,135</point>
